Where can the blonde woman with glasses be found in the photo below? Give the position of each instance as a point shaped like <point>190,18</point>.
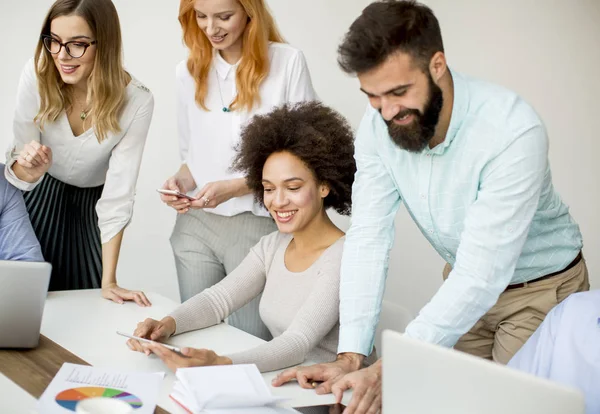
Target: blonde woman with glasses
<point>238,66</point>
<point>80,127</point>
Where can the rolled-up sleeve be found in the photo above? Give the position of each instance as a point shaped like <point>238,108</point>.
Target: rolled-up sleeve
<point>115,206</point>
<point>495,229</point>
<point>24,129</point>
<point>375,201</point>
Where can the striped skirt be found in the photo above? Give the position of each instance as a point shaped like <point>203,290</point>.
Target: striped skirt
<point>66,224</point>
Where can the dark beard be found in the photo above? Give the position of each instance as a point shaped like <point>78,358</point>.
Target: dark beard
<point>416,136</point>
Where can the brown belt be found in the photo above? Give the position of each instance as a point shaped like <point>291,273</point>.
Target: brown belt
<point>524,284</point>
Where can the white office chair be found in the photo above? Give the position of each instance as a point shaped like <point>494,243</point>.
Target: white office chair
<point>394,317</point>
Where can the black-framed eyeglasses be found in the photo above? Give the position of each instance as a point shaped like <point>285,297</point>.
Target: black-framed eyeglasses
<point>75,48</point>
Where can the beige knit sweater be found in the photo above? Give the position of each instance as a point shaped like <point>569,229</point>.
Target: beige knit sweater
<point>300,309</point>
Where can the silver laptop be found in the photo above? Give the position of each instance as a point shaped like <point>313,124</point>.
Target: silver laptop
<point>23,291</point>
<point>420,378</point>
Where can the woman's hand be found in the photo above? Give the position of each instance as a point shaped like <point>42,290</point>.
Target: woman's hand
<point>33,161</point>
<point>218,192</point>
<point>119,295</point>
<point>189,357</point>
<point>154,330</point>
<point>180,204</point>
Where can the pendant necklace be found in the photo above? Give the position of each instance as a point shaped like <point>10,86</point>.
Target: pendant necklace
<point>84,112</point>
<point>225,108</point>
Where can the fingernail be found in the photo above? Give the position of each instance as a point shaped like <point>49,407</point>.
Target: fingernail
<point>320,391</point>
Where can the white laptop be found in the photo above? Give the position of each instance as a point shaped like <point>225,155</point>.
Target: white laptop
<point>23,291</point>
<point>421,378</point>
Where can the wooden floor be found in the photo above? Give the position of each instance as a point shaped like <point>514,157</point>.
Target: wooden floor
<point>34,369</point>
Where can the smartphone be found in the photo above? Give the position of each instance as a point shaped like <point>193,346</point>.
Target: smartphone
<point>175,193</point>
<point>332,408</point>
<point>171,347</point>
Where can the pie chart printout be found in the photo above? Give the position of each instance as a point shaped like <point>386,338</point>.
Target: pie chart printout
<point>69,398</point>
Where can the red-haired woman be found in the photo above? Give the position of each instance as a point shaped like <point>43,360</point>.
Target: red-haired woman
<point>238,66</point>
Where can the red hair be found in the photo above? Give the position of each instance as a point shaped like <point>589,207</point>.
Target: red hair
<point>254,65</point>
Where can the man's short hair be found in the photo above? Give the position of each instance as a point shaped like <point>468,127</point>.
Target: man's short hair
<point>387,27</point>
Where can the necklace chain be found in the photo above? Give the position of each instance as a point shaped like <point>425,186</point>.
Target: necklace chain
<point>84,112</point>
<point>225,108</point>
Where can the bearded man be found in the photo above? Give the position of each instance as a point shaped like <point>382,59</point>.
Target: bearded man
<point>469,160</point>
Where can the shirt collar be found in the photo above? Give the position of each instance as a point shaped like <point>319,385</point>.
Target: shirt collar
<point>460,107</point>
<point>221,66</point>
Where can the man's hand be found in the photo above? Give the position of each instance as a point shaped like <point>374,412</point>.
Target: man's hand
<point>327,374</point>
<point>366,390</point>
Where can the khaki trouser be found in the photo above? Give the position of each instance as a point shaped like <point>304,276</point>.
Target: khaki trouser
<point>501,332</point>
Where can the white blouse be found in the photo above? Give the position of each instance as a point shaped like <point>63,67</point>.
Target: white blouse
<point>82,161</point>
<point>207,139</point>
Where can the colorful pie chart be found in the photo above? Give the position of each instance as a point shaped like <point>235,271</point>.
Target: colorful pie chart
<point>69,398</point>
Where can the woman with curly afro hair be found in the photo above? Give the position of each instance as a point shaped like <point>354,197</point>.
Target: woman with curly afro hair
<point>298,161</point>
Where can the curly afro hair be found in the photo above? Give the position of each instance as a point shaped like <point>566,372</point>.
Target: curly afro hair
<point>319,136</point>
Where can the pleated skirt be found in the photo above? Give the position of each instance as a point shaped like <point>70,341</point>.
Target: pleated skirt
<point>66,224</point>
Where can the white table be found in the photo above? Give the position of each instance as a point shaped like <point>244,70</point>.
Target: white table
<point>14,399</point>
<point>85,324</point>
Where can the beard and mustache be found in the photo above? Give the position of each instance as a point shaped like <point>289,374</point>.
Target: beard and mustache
<point>415,136</point>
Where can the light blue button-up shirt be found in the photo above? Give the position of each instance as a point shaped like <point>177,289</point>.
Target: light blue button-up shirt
<point>483,198</point>
<point>17,239</point>
<point>566,347</point>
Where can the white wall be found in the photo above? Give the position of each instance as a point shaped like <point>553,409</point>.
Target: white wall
<point>547,51</point>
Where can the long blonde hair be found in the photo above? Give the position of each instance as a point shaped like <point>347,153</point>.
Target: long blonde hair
<point>108,81</point>
<point>254,65</point>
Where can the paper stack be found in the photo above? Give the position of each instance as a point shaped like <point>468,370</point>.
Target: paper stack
<point>230,389</point>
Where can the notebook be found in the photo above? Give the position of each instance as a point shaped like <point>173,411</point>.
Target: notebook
<point>225,389</point>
